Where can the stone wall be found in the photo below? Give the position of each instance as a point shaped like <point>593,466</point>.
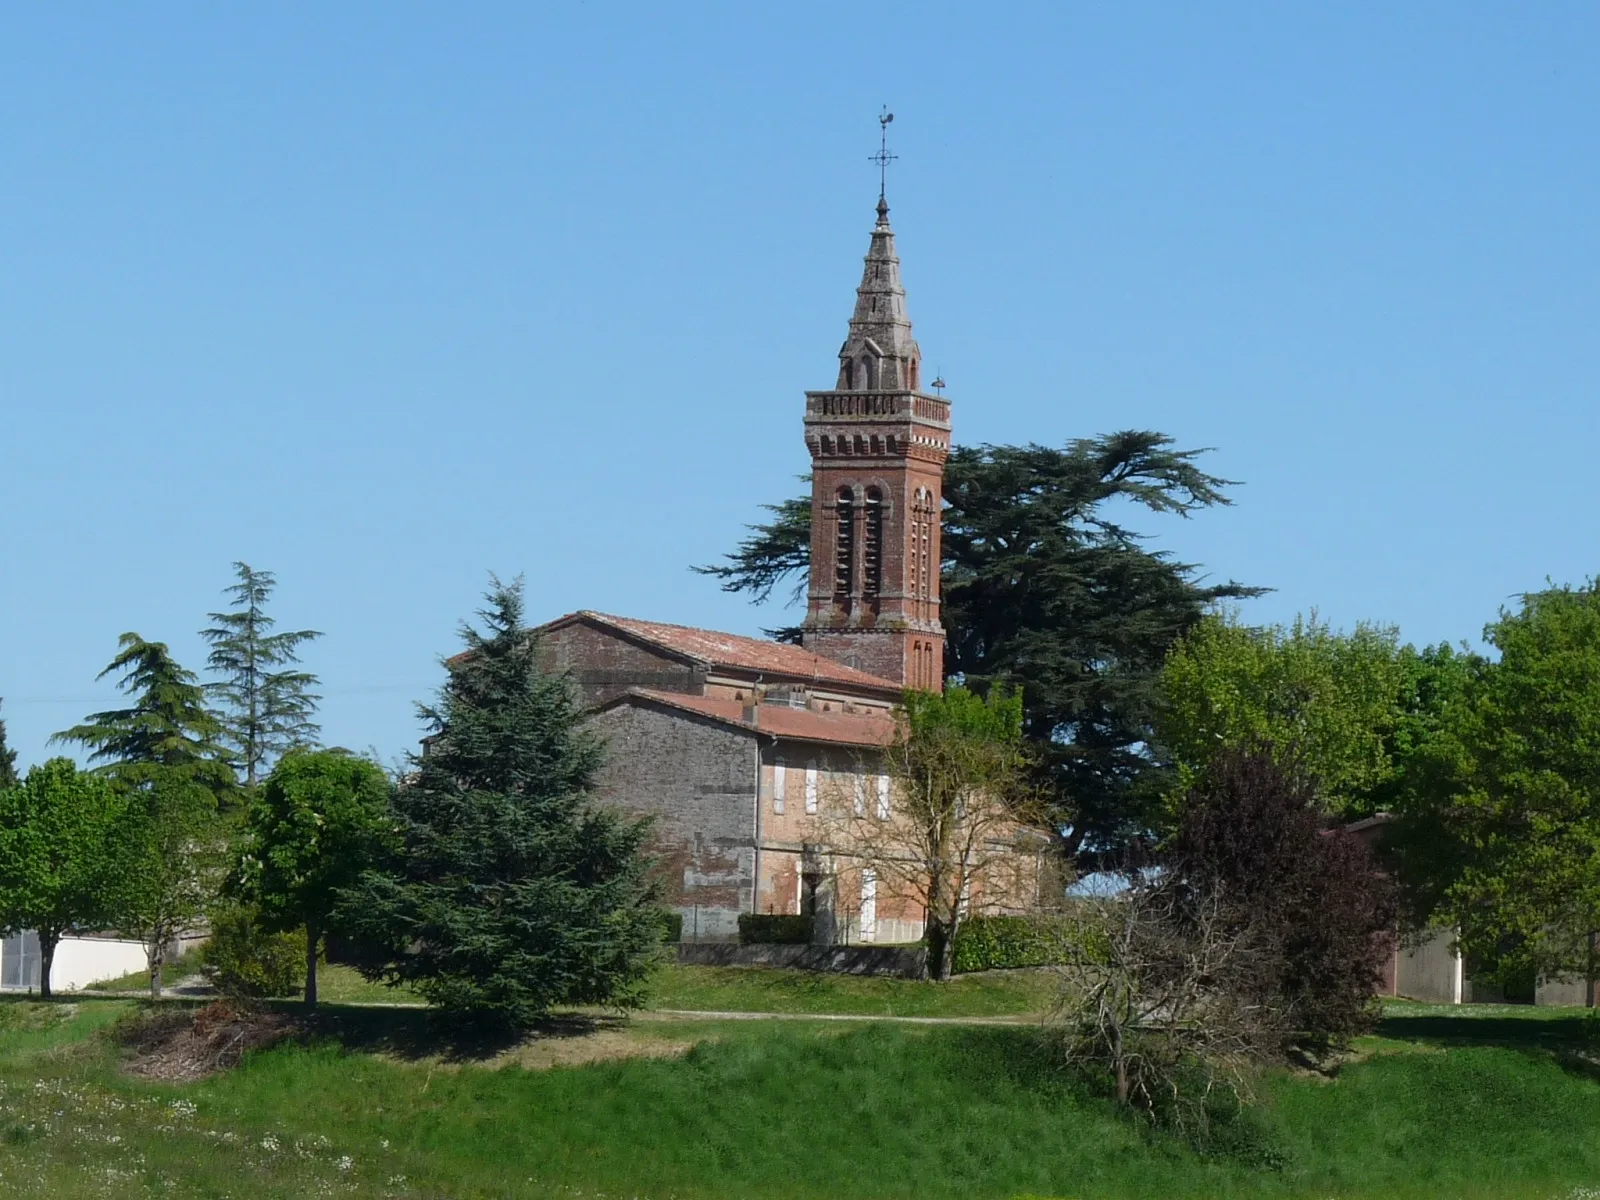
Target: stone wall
<point>697,779</point>
<point>605,664</point>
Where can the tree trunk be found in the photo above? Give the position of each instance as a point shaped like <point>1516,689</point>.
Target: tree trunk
<point>941,948</point>
<point>156,957</point>
<point>313,936</point>
<point>1121,1065</point>
<point>1593,986</point>
<point>47,957</point>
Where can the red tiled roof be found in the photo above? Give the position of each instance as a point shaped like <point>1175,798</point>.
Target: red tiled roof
<point>777,720</point>
<point>744,653</point>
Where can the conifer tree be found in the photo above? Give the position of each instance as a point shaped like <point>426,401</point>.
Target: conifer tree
<point>268,704</point>
<point>167,730</point>
<point>511,890</point>
<point>8,760</point>
<point>170,772</point>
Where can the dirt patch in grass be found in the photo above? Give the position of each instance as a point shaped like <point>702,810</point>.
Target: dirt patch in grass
<point>178,1045</point>
<point>597,1045</point>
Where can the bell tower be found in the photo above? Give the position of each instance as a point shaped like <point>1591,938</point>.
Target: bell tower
<point>878,446</point>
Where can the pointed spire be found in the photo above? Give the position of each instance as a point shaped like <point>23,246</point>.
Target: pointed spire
<point>879,354</point>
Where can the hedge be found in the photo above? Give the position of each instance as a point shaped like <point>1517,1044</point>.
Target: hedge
<point>1000,943</point>
<point>773,929</point>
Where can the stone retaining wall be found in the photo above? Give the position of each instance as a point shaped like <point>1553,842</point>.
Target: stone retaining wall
<point>908,962</point>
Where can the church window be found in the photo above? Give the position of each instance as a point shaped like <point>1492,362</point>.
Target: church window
<point>849,373</point>
<point>780,783</point>
<point>869,373</point>
<point>844,542</point>
<point>811,785</point>
<point>872,544</point>
<point>883,797</point>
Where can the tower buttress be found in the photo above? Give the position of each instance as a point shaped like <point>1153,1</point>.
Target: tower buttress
<point>878,446</point>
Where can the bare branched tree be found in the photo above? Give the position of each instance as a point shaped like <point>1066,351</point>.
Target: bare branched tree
<point>1158,993</point>
<point>947,818</point>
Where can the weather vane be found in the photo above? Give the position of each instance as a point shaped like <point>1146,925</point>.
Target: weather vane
<point>883,158</point>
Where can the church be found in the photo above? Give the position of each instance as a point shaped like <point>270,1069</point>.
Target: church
<point>734,744</point>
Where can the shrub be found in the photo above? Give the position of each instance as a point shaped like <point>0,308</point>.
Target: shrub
<point>774,929</point>
<point>243,959</point>
<point>1002,943</point>
<point>671,926</point>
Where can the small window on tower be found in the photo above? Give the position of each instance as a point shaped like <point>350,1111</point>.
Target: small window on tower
<point>872,544</point>
<point>849,375</point>
<point>844,542</point>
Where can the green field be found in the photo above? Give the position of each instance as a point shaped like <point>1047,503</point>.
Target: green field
<point>1497,1103</point>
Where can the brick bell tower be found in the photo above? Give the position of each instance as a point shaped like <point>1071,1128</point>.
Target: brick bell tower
<point>878,447</point>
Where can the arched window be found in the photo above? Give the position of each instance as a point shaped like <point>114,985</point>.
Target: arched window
<point>872,545</point>
<point>844,542</point>
<point>849,373</point>
<point>869,373</point>
<point>914,374</point>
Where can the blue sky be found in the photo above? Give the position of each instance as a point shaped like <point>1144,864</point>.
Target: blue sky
<point>384,297</point>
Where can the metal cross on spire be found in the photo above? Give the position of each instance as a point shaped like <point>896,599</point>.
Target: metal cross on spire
<point>883,158</point>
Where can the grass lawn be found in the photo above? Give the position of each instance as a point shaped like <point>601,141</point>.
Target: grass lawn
<point>1441,1105</point>
<point>745,989</point>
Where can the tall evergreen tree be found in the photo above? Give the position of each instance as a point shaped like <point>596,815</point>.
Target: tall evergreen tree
<point>511,890</point>
<point>268,703</point>
<point>8,760</point>
<point>1046,589</point>
<point>167,730</point>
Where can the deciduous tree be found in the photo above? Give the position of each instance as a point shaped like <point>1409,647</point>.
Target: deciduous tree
<point>171,857</point>
<point>511,890</point>
<point>1046,589</point>
<point>320,821</point>
<point>268,703</point>
<point>955,814</point>
<point>1520,805</point>
<point>58,856</point>
<point>1254,841</point>
<point>8,760</point>
<point>1327,703</point>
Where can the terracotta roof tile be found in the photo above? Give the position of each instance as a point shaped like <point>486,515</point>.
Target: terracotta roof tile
<point>777,720</point>
<point>746,653</point>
